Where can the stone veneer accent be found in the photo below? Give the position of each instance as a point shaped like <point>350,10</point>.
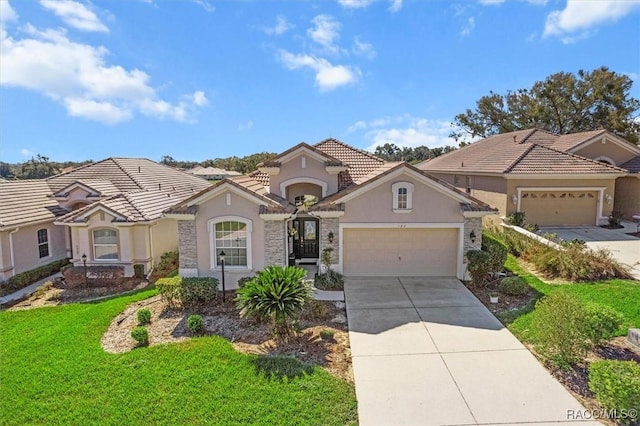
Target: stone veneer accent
<point>475,224</point>
<point>330,224</point>
<point>274,243</point>
<point>187,245</point>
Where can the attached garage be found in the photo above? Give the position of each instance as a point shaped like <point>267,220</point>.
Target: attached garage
<point>400,251</point>
<point>565,207</point>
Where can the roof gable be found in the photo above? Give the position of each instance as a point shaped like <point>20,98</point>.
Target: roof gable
<point>23,202</point>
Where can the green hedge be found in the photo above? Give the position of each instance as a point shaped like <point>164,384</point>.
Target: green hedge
<point>190,290</point>
<point>22,280</point>
<point>617,387</point>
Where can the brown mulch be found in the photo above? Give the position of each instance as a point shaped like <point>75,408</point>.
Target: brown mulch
<point>634,234</point>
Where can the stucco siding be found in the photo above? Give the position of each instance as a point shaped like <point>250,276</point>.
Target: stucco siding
<point>627,199</point>
<point>164,238</point>
<point>293,169</point>
<point>615,152</point>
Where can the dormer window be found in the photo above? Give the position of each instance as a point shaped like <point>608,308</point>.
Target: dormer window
<point>402,197</point>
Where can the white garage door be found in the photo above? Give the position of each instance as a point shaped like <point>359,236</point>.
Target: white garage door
<point>572,207</point>
<point>400,252</point>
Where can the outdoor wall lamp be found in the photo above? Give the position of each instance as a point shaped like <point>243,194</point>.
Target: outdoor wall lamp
<point>514,199</point>
<point>330,236</point>
<point>472,236</point>
<point>608,198</point>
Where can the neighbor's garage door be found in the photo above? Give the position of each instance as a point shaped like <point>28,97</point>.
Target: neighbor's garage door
<point>400,252</point>
<point>559,207</point>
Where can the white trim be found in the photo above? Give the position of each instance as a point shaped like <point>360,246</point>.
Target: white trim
<point>460,267</point>
<point>179,216</point>
<point>327,214</point>
<point>478,214</point>
<point>213,261</point>
<point>304,162</point>
<point>395,189</point>
<point>600,190</point>
<point>100,208</point>
<point>302,150</point>
<point>275,216</point>
<point>285,183</point>
<point>228,198</point>
<point>13,259</point>
<point>605,158</point>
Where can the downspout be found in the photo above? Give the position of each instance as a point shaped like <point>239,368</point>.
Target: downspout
<point>153,263</point>
<point>13,264</point>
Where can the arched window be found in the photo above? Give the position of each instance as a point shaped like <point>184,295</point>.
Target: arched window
<point>105,244</point>
<point>231,235</point>
<point>402,197</point>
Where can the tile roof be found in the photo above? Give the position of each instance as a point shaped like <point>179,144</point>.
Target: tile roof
<point>102,187</point>
<point>632,165</point>
<point>523,151</point>
<point>26,201</point>
<point>566,142</point>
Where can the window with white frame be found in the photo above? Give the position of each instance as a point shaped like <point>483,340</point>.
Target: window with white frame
<point>402,197</point>
<point>231,235</point>
<point>43,243</point>
<point>105,244</point>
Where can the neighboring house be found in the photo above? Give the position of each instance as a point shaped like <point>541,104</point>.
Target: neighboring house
<point>212,173</point>
<point>575,179</point>
<point>380,219</point>
<point>28,237</point>
<point>116,210</point>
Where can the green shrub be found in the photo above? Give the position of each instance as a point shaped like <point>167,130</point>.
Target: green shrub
<point>601,322</point>
<point>198,290</point>
<point>140,335</point>
<point>330,280</point>
<point>616,385</point>
<point>144,316</point>
<point>23,279</point>
<point>242,281</point>
<point>326,334</point>
<point>478,266</point>
<point>169,289</point>
<point>195,323</point>
<point>615,218</point>
<point>168,263</point>
<point>514,286</point>
<point>531,227</point>
<point>497,251</point>
<point>559,329</point>
<point>577,263</point>
<point>277,294</point>
<point>315,309</point>
<point>516,243</point>
<point>516,218</point>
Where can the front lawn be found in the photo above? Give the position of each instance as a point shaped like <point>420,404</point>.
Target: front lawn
<point>621,295</point>
<point>54,371</point>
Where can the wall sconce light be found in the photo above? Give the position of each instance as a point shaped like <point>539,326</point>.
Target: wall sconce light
<point>514,199</point>
<point>608,198</point>
<point>472,236</point>
<point>330,236</point>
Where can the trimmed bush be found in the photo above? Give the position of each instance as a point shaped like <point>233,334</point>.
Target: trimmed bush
<point>144,316</point>
<point>559,329</point>
<point>198,290</point>
<point>23,279</point>
<point>514,286</point>
<point>96,276</point>
<point>601,322</point>
<point>242,281</point>
<point>140,335</point>
<point>479,266</point>
<point>616,385</point>
<point>497,251</point>
<point>169,289</point>
<point>167,266</point>
<point>277,294</point>
<point>195,323</point>
<point>330,280</point>
<point>326,334</point>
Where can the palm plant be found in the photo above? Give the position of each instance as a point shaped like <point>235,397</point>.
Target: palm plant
<point>277,294</point>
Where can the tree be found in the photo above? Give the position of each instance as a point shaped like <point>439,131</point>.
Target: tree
<point>168,160</point>
<point>562,103</point>
<point>391,152</point>
<point>39,167</point>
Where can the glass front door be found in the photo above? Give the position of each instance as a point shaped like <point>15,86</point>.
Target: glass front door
<point>305,241</point>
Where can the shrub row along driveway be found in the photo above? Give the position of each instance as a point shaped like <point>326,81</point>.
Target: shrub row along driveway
<point>426,351</point>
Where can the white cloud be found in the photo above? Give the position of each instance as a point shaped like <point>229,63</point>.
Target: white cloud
<point>405,131</point>
<point>468,27</point>
<point>362,48</point>
<point>582,16</point>
<point>6,12</point>
<point>77,76</point>
<point>24,151</point>
<point>281,26</point>
<point>206,5</point>
<point>328,76</point>
<point>396,5</point>
<point>75,15</point>
<point>491,2</point>
<point>325,31</point>
<point>245,126</point>
<point>355,4</point>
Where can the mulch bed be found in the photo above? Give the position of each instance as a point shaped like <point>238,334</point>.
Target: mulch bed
<point>634,234</point>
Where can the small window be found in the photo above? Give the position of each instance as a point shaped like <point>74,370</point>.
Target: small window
<point>402,197</point>
<point>105,244</point>
<point>43,243</point>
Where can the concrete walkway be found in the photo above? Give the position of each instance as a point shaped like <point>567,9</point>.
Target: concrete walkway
<point>624,248</point>
<point>27,291</point>
<point>426,352</point>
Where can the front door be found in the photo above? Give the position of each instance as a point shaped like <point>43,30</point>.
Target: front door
<point>305,241</point>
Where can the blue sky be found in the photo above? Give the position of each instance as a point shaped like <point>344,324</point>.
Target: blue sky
<point>200,79</point>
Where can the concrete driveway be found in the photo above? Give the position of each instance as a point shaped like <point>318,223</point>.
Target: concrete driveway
<point>624,248</point>
<point>426,352</point>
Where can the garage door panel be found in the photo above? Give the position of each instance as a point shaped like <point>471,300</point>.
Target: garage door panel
<point>400,252</point>
<point>569,207</point>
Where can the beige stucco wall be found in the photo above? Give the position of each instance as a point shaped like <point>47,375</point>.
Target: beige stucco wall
<point>164,235</point>
<point>25,248</point>
<point>376,205</point>
<point>615,152</point>
<point>627,199</point>
<point>216,207</point>
<point>293,169</point>
<point>490,189</point>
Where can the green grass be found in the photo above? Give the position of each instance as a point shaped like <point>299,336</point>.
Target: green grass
<point>53,371</point>
<point>622,295</point>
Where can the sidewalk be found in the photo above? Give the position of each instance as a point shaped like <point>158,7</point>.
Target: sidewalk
<point>27,291</point>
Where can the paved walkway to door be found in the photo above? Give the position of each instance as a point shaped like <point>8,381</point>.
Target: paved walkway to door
<point>427,352</point>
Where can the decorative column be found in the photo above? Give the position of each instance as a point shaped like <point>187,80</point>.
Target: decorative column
<point>275,242</point>
<point>187,248</point>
